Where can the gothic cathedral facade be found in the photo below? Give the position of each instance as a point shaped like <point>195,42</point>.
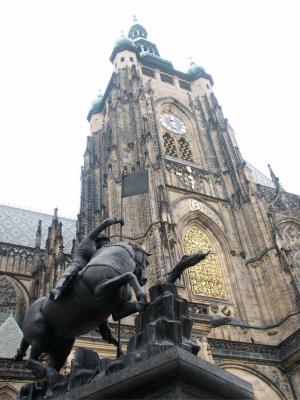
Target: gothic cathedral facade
<point>162,156</point>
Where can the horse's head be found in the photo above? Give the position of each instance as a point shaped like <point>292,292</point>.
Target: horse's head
<point>141,263</point>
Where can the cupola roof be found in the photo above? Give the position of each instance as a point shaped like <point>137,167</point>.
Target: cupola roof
<point>137,31</point>
<point>123,40</point>
<point>123,43</point>
<point>195,69</point>
<point>97,101</point>
<point>96,104</point>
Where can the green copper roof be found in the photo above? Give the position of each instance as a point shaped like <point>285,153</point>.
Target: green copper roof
<point>137,31</point>
<point>155,58</point>
<point>195,69</point>
<point>123,40</point>
<point>97,101</point>
<point>123,43</point>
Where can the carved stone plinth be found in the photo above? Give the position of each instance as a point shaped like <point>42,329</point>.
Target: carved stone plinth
<point>164,323</point>
<point>171,374</point>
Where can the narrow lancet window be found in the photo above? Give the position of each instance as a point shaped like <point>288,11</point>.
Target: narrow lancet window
<point>169,145</point>
<point>185,150</point>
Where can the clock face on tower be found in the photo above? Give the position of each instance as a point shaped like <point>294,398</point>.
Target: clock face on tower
<point>173,123</point>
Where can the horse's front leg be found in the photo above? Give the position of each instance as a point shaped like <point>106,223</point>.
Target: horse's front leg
<point>106,334</point>
<point>127,309</point>
<point>107,288</point>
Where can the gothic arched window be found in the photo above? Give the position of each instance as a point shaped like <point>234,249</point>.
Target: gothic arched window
<point>169,145</point>
<point>185,150</point>
<point>206,277</point>
<point>8,299</point>
<point>12,300</point>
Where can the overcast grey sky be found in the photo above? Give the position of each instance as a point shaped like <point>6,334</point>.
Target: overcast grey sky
<point>54,59</point>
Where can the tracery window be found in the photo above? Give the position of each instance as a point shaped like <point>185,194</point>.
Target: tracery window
<point>206,277</point>
<point>169,145</point>
<point>185,150</point>
<point>8,299</point>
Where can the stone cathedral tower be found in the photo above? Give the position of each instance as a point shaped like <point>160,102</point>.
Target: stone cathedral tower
<point>161,155</point>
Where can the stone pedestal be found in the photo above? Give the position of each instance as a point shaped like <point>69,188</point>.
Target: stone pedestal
<point>171,374</point>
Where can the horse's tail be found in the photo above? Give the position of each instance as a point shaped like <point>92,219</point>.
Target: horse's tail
<point>21,352</point>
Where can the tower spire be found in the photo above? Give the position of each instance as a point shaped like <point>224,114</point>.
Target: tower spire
<point>54,218</point>
<point>138,34</point>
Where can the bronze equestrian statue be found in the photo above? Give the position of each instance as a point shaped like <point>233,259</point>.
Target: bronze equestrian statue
<point>96,285</point>
<point>100,289</point>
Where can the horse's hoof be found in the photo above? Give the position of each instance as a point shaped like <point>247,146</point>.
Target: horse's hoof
<point>18,357</point>
<point>141,305</point>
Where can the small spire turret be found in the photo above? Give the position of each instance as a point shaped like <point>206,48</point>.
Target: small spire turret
<point>55,218</point>
<point>274,178</point>
<point>38,237</point>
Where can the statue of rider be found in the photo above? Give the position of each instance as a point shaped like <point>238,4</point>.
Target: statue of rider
<point>83,254</point>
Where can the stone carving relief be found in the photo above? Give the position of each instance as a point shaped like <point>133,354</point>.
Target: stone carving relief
<point>195,205</point>
<point>290,237</point>
<point>206,277</point>
<point>10,251</point>
<point>198,309</point>
<point>189,177</point>
<point>283,202</point>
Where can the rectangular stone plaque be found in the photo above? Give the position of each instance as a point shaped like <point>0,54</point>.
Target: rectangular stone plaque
<point>136,183</point>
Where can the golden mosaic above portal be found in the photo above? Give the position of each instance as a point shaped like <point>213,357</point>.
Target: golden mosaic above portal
<point>205,277</point>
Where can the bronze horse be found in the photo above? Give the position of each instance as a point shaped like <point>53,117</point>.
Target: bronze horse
<point>101,288</point>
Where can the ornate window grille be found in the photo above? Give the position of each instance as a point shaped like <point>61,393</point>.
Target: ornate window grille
<point>185,150</point>
<point>169,145</point>
<point>8,299</point>
<point>206,277</point>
